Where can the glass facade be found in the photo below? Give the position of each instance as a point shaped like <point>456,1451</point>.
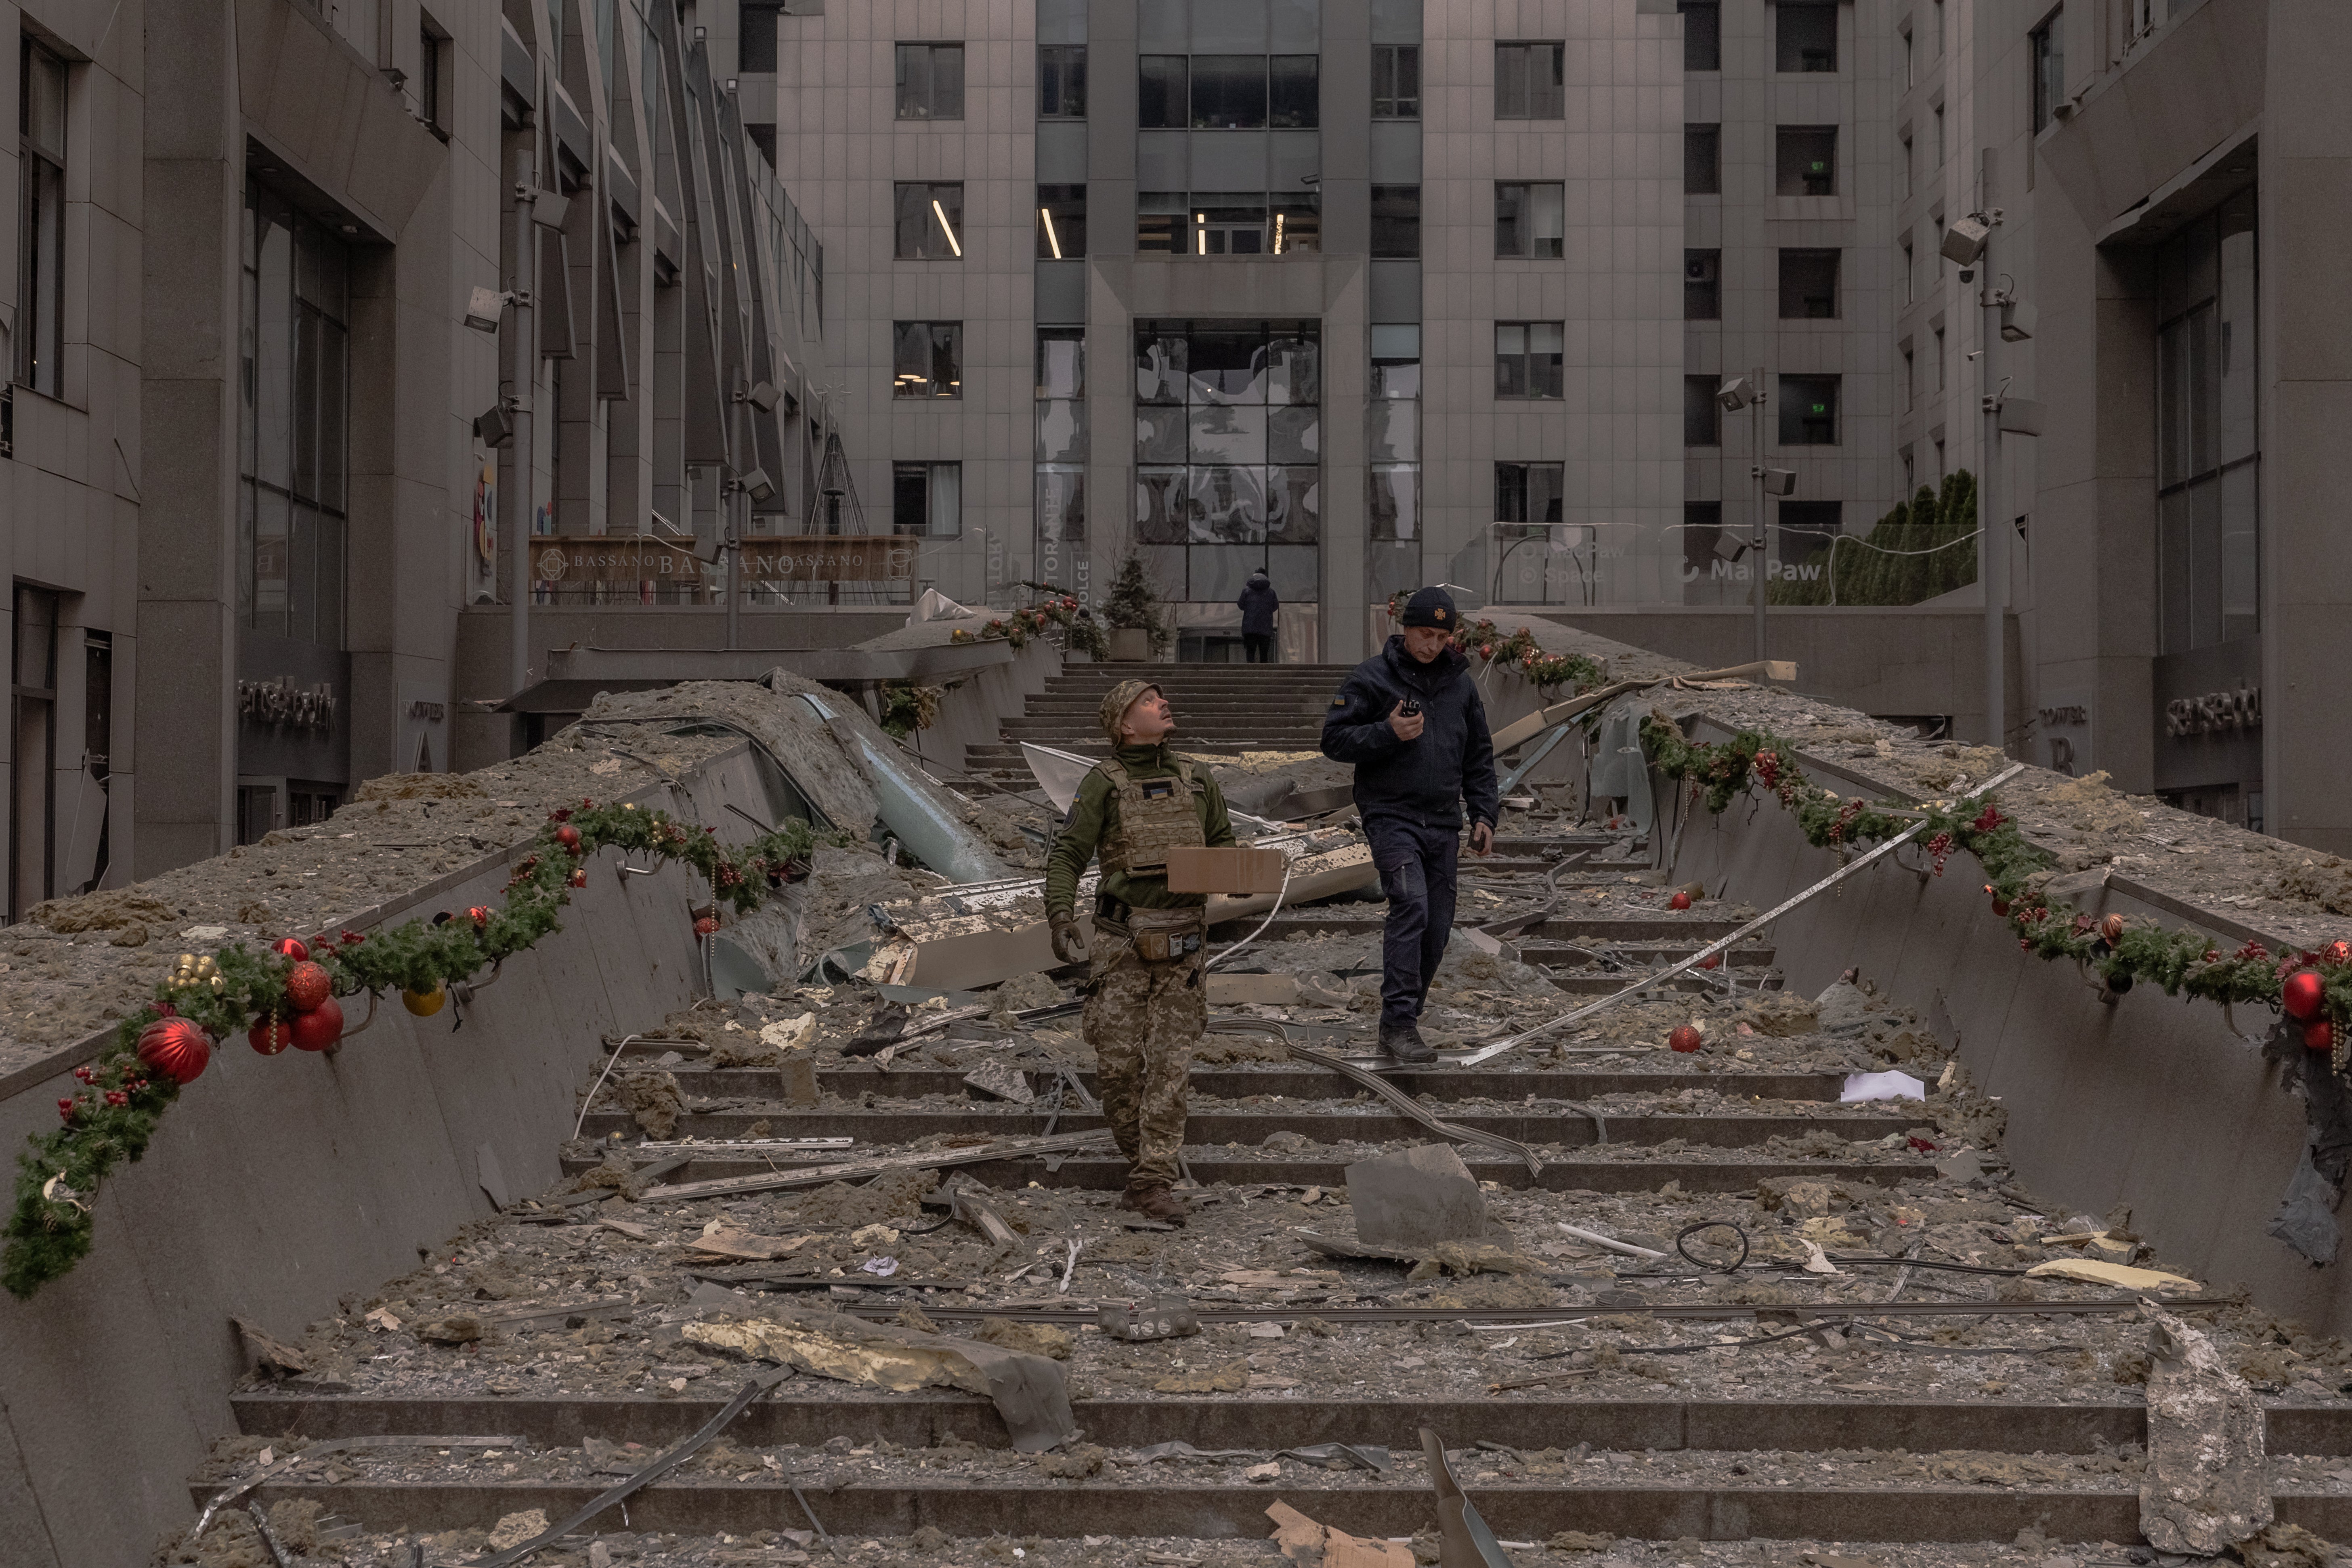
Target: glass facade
<point>1392,499</point>
<point>1228,448</point>
<point>293,424</point>
<point>2209,454</point>
<point>1061,462</point>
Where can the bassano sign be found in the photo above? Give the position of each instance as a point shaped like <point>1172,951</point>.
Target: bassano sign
<point>808,557</point>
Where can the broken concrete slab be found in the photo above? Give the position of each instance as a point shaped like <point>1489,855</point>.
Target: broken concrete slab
<point>1416,1198</point>
<point>1001,1080</point>
<point>2204,1490</point>
<point>1303,1541</point>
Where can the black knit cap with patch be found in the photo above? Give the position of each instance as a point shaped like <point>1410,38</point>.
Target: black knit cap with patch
<point>1431,607</point>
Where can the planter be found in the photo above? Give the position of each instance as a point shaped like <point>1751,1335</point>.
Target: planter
<point>1076,656</point>
<point>1130,645</point>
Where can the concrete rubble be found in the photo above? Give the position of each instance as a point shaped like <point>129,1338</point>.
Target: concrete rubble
<point>2205,1490</point>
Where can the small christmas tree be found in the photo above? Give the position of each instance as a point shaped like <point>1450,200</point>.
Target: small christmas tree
<point>1133,601</point>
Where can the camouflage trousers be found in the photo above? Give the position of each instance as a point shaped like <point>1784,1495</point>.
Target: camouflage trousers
<point>1142,1020</point>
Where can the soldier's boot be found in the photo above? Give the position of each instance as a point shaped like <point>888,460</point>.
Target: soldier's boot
<point>1403,1042</point>
<point>1156,1203</point>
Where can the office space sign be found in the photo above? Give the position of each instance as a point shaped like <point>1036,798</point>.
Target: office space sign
<point>619,558</point>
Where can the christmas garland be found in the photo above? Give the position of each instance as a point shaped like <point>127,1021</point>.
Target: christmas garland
<point>285,995</point>
<point>907,708</point>
<point>2313,988</point>
<point>1519,651</point>
<point>1080,630</point>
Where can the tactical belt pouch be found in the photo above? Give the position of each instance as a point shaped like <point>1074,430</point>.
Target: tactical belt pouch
<point>1162,936</point>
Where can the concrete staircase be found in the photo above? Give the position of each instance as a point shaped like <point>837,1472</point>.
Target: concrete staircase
<point>1219,708</point>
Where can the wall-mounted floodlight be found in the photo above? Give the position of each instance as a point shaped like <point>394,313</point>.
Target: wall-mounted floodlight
<point>1738,393</point>
<point>758,485</point>
<point>484,308</point>
<point>547,209</point>
<point>1780,481</point>
<point>2016,320</point>
<point>1965,241</point>
<point>494,426</point>
<point>2019,416</point>
<point>763,396</point>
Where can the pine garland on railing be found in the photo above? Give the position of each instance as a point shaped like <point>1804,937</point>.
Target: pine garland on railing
<point>1079,629</point>
<point>2313,987</point>
<point>285,996</point>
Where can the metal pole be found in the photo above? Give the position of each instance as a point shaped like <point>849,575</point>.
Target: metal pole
<point>1992,538</point>
<point>738,499</point>
<point>1757,543</point>
<point>526,367</point>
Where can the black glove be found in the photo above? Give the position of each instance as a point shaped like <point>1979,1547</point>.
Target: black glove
<point>1069,945</point>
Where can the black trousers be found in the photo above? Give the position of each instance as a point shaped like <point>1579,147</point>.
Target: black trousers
<point>1257,647</point>
<point>1417,868</point>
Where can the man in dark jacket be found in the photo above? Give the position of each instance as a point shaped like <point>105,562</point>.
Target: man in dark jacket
<point>1415,771</point>
<point>1259,603</point>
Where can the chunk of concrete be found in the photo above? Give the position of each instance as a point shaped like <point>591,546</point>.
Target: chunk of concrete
<point>798,1073</point>
<point>2204,1490</point>
<point>1416,1199</point>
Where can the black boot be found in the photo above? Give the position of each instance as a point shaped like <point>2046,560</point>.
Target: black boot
<point>1403,1042</point>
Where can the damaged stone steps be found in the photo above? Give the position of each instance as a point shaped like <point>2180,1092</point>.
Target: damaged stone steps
<point>1639,955</point>
<point>1171,1504</point>
<point>928,1419</point>
<point>1363,920</point>
<point>1217,1166</point>
<point>1290,1083</point>
<point>1326,1122</point>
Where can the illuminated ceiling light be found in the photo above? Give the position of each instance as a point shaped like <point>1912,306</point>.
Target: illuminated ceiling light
<point>1051,237</point>
<point>946,228</point>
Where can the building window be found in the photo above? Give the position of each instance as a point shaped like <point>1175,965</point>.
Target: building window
<point>2048,47</point>
<point>930,82</point>
<point>1808,410</point>
<point>429,102</point>
<point>926,500</point>
<point>1396,222</point>
<point>41,218</point>
<point>1908,179</point>
<point>1392,455</point>
<point>2208,454</point>
<point>1809,285</point>
<point>1294,88</point>
<point>1702,160</point>
<point>1061,223</point>
<point>755,49</point>
<point>1802,535</point>
<point>931,222</point>
<point>1939,136</point>
<point>1396,81</point>
<point>927,358</point>
<point>1530,493</point>
<point>1226,223</point>
<point>1061,463</point>
<point>1939,364</point>
<point>1228,478</point>
<point>1702,415</point>
<point>1910,383</point>
<point>33,671</point>
<point>1228,92</point>
<point>1162,100</point>
<point>1804,37</point>
<point>1529,219</point>
<point>1530,81</point>
<point>1910,62</point>
<point>1062,81</point>
<point>292,423</point>
<point>1907,265</point>
<point>1527,357</point>
<point>1805,160</point>
<point>1702,35</point>
<point>1702,284</point>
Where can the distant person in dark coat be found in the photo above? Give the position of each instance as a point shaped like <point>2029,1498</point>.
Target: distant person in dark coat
<point>1417,768</point>
<point>1258,602</point>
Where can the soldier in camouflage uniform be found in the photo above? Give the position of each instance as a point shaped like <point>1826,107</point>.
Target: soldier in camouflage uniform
<point>1146,1003</point>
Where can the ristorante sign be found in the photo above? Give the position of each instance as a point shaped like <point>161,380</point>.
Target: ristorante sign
<point>809,558</point>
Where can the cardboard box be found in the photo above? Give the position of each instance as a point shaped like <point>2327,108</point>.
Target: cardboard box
<point>1225,870</point>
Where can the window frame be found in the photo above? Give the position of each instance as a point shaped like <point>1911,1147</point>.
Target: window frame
<point>1059,83</point>
<point>1710,281</point>
<point>901,389</point>
<point>41,191</point>
<point>1789,152</point>
<point>1528,208</point>
<point>929,471</point>
<point>1789,390</point>
<point>1399,195</point>
<point>931,219</point>
<point>1534,375</point>
<point>1710,136</point>
<point>1525,471</point>
<point>1702,40</point>
<point>1800,255</point>
<point>1060,232</point>
<point>1393,58</point>
<point>928,111</point>
<point>1700,390</point>
<point>1520,56</point>
<point>1784,47</point>
<point>1171,95</point>
<point>2046,68</point>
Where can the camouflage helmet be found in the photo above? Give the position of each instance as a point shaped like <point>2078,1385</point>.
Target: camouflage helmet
<point>1115,704</point>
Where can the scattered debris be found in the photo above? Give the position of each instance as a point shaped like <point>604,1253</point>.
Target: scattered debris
<point>2205,1490</point>
<point>1312,1545</point>
<point>1416,1198</point>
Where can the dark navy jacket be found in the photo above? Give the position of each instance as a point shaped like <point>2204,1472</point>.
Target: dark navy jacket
<point>1258,602</point>
<point>1425,780</point>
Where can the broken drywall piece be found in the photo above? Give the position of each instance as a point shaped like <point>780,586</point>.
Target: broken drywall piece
<point>1312,1545</point>
<point>1001,1078</point>
<point>1865,1086</point>
<point>789,1034</point>
<point>1028,1390</point>
<point>1462,1539</point>
<point>1963,1166</point>
<point>2204,1490</point>
<point>2091,1271</point>
<point>1416,1199</point>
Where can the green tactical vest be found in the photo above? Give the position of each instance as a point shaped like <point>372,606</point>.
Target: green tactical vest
<point>1154,816</point>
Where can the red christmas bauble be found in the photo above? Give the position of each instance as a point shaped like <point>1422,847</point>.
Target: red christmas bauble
<point>480,914</point>
<point>1999,907</point>
<point>706,925</point>
<point>291,947</point>
<point>2338,953</point>
<point>579,879</point>
<point>1679,901</point>
<point>1710,961</point>
<point>568,836</point>
<point>2319,1035</point>
<point>175,1047</point>
<point>2302,995</point>
<point>308,985</point>
<point>2112,928</point>
<point>1686,1038</point>
<point>270,1036</point>
<point>319,1027</point>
